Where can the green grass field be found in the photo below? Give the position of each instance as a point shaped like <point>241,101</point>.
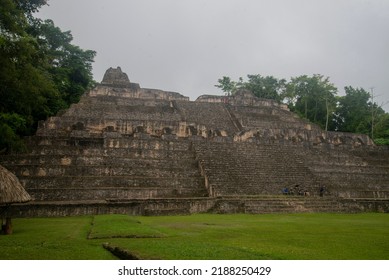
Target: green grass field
<point>202,236</point>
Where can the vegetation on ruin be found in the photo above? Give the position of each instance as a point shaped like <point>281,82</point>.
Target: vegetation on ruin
<point>316,99</point>
<point>202,236</point>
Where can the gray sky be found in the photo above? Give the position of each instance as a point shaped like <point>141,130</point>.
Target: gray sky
<point>187,45</point>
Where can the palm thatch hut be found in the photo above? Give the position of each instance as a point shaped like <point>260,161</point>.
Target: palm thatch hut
<point>11,191</point>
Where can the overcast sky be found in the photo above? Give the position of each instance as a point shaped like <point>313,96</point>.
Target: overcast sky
<point>187,45</point>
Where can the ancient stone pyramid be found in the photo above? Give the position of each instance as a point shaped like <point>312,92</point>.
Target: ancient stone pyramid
<point>127,149</point>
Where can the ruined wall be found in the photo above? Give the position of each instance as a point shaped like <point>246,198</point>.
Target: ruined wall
<point>241,98</point>
<point>171,206</point>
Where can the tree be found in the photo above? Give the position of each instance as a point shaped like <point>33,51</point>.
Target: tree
<point>26,87</point>
<point>356,112</point>
<point>265,87</point>
<point>381,135</point>
<point>353,112</point>
<point>312,98</point>
<point>70,66</point>
<point>226,85</point>
<point>41,72</point>
<point>262,87</point>
<point>315,99</point>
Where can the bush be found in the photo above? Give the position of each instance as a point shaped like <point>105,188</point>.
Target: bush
<point>381,141</point>
<point>10,126</point>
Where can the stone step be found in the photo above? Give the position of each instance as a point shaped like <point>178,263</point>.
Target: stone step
<point>69,151</point>
<point>97,170</point>
<point>352,179</point>
<point>90,160</point>
<point>280,205</point>
<point>253,168</point>
<point>120,142</point>
<point>106,193</point>
<point>328,167</point>
<point>364,193</point>
<point>90,182</point>
<point>121,112</point>
<point>166,211</point>
<point>110,100</point>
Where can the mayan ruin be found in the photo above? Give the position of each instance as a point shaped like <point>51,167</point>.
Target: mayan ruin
<point>131,150</point>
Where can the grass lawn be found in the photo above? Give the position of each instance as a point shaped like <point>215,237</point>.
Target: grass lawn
<point>202,236</point>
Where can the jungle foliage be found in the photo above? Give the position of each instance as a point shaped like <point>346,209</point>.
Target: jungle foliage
<point>41,71</point>
<point>316,99</point>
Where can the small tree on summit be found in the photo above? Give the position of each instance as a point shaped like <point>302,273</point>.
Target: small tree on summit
<point>226,85</point>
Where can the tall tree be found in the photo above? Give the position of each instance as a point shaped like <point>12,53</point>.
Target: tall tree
<point>312,98</point>
<point>265,87</point>
<point>70,66</point>
<point>356,112</point>
<point>41,72</point>
<point>353,112</point>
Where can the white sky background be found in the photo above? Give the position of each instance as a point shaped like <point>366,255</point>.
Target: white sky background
<point>187,45</point>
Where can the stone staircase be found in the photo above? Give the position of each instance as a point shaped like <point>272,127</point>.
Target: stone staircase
<point>234,169</point>
<point>351,174</point>
<point>135,168</point>
<point>212,117</point>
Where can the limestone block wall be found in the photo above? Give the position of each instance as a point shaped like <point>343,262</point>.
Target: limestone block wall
<point>127,120</point>
<point>167,206</point>
<point>107,168</point>
<point>265,117</point>
<point>303,135</point>
<point>177,206</point>
<point>135,92</point>
<point>241,99</point>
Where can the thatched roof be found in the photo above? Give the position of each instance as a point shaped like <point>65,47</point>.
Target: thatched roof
<point>11,191</point>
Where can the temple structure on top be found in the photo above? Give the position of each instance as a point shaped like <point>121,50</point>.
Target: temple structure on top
<point>117,83</point>
<point>116,78</point>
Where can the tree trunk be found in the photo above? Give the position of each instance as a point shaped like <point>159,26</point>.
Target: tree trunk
<point>8,226</point>
<point>327,115</point>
